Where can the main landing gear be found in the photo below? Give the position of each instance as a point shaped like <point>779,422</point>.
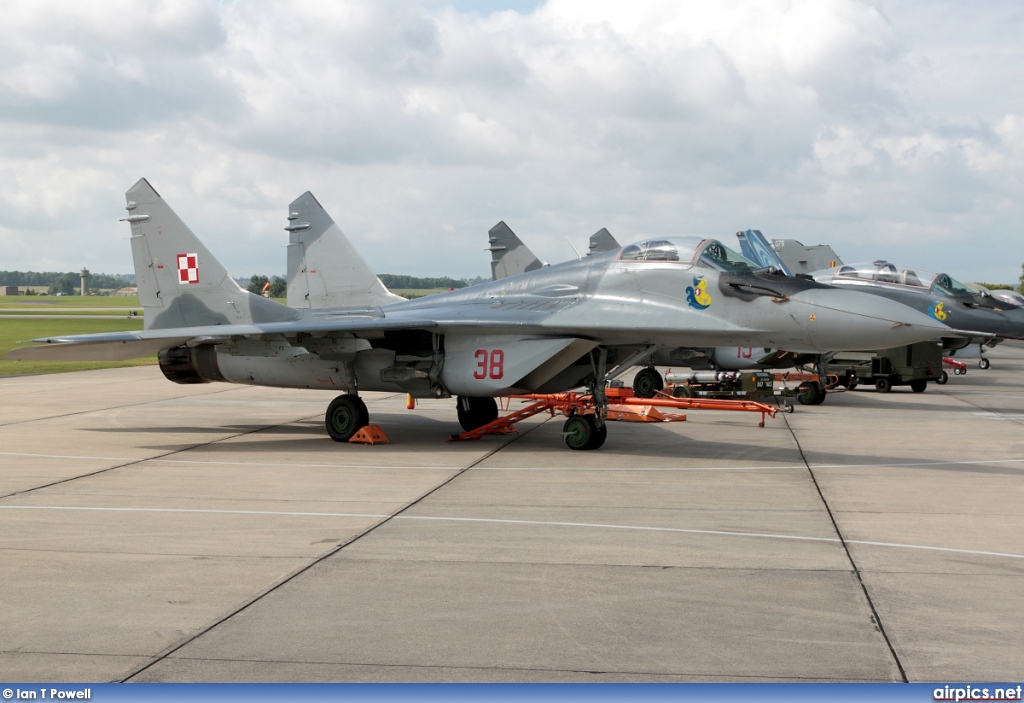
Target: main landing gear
<point>476,412</point>
<point>647,383</point>
<point>346,415</point>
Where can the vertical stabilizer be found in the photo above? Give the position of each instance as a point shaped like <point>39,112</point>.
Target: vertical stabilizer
<point>509,256</point>
<point>756,248</point>
<point>602,240</point>
<point>324,269</point>
<point>180,283</point>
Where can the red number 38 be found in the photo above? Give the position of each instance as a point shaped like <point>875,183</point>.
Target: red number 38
<point>490,364</point>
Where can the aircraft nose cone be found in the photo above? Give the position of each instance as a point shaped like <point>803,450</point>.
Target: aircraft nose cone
<point>842,320</point>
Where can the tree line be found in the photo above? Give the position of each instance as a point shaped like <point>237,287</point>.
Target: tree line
<point>392,280</point>
<point>48,278</point>
<point>279,286</point>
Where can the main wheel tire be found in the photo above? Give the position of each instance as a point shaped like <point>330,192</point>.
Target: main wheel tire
<point>809,394</point>
<point>476,412</point>
<point>647,383</point>
<point>346,415</point>
<point>580,432</point>
<point>942,379</point>
<point>883,385</point>
<point>600,435</point>
<point>918,385</point>
<point>984,364</point>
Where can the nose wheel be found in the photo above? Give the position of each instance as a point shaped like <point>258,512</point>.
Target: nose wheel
<point>346,415</point>
<point>582,432</point>
<point>809,393</point>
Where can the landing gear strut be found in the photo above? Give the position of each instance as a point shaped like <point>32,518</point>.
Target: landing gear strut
<point>346,415</point>
<point>590,431</point>
<point>813,392</point>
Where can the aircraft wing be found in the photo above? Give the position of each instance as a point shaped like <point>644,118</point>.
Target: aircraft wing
<point>120,346</point>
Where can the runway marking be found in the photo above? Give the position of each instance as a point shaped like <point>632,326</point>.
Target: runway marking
<point>988,415</point>
<point>290,464</point>
<point>498,521</point>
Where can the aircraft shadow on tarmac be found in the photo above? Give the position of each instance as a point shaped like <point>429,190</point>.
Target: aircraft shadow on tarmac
<point>217,429</point>
<point>420,433</point>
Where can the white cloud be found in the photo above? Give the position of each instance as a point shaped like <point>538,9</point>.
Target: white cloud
<point>419,126</point>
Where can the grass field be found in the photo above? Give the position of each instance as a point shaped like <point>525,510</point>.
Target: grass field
<point>416,292</point>
<point>47,302</point>
<point>15,331</point>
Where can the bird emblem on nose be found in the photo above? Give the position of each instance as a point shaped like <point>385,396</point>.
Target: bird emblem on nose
<point>697,294</point>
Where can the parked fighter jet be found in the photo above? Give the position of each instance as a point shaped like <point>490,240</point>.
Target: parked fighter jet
<point>938,295</point>
<point>548,330</point>
<point>648,381</point>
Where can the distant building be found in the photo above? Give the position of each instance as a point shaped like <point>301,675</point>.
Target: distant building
<point>85,281</point>
<point>9,290</point>
<point>127,291</point>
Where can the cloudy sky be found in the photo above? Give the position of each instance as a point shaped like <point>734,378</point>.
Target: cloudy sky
<point>890,129</point>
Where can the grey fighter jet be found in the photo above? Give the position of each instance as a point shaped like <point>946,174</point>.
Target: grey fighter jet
<point>553,329</point>
<point>938,295</point>
<point>647,382</point>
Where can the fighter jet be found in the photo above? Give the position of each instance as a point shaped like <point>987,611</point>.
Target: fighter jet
<point>553,329</point>
<point>938,295</point>
<point>648,381</point>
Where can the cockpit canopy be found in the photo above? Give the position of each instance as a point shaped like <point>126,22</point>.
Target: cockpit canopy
<point>888,272</point>
<point>687,250</point>
<point>1011,297</point>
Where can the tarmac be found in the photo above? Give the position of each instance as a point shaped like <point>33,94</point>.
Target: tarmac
<point>158,532</point>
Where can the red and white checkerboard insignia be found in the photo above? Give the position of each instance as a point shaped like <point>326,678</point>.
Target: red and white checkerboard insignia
<point>188,268</point>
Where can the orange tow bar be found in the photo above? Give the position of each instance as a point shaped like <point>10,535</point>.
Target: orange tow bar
<point>623,405</point>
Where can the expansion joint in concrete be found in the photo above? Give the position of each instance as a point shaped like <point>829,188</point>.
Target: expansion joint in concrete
<point>322,558</point>
<point>846,548</point>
